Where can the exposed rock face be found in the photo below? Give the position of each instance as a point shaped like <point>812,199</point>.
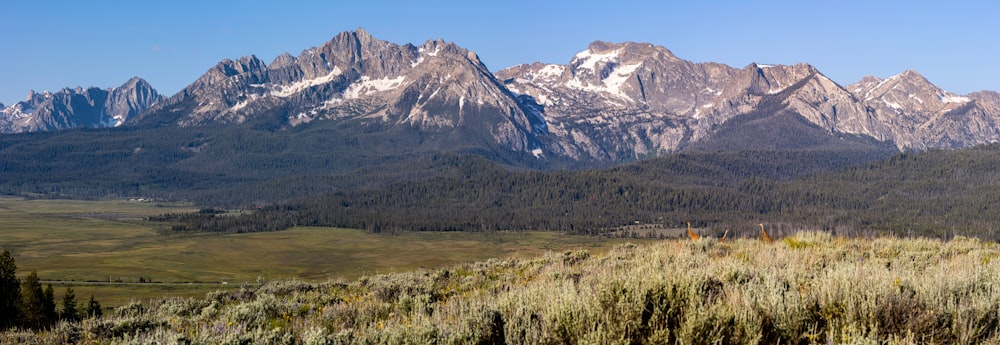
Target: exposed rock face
<point>620,101</point>
<point>72,108</point>
<point>919,115</point>
<point>437,87</point>
<point>988,100</point>
<point>609,103</point>
<point>131,99</point>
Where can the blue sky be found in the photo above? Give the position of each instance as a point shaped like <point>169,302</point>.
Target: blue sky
<point>48,45</point>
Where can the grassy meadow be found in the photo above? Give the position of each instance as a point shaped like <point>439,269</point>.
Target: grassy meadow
<point>341,286</point>
<point>810,288</point>
<point>66,240</point>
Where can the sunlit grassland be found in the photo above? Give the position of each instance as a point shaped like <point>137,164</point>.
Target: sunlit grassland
<point>104,241</point>
<point>304,253</point>
<point>810,288</point>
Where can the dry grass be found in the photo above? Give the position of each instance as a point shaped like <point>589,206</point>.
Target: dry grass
<point>804,289</point>
<point>83,241</point>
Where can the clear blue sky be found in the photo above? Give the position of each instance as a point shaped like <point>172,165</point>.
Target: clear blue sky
<point>48,45</point>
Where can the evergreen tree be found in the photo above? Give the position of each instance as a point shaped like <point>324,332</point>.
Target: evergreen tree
<point>93,308</point>
<point>49,305</point>
<point>10,291</point>
<point>69,311</point>
<point>33,313</point>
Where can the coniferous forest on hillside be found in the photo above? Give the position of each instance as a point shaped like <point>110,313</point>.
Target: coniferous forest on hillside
<point>285,179</point>
<point>937,193</point>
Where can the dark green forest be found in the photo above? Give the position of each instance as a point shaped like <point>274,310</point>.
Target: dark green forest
<point>219,166</point>
<point>936,193</point>
<point>327,175</point>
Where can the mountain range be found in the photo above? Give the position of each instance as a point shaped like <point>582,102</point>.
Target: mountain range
<point>610,103</point>
<point>79,107</point>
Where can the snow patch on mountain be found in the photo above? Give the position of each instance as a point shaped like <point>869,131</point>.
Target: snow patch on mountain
<point>615,81</point>
<point>110,121</point>
<point>296,87</point>
<point>537,153</point>
<point>550,72</point>
<point>243,104</point>
<point>366,86</point>
<point>612,84</point>
<point>432,94</point>
<point>951,98</point>
<point>589,60</point>
<point>415,63</point>
<point>18,111</point>
<point>437,50</point>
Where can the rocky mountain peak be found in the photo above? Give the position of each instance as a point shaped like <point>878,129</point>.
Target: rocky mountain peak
<point>766,79</point>
<point>137,83</point>
<point>356,78</point>
<point>357,39</point>
<point>79,107</point>
<point>130,99</point>
<point>910,73</point>
<point>439,47</point>
<point>660,103</point>
<point>362,34</point>
<point>360,50</point>
<point>911,78</point>
<point>597,55</point>
<point>989,100</point>
<point>609,102</point>
<point>472,56</point>
<point>908,91</point>
<point>245,69</point>
<point>986,96</point>
<point>433,46</point>
<point>244,65</point>
<point>281,61</point>
<point>866,83</point>
<point>601,46</point>
<point>35,97</point>
<point>870,79</point>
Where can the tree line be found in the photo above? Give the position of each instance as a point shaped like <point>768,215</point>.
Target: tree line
<point>26,304</point>
<point>935,193</point>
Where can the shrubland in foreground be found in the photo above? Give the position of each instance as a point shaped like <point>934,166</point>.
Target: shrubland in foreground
<point>808,288</point>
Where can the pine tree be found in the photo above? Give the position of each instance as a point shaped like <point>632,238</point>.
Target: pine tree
<point>69,311</point>
<point>93,308</point>
<point>10,291</point>
<point>32,302</point>
<point>49,305</point>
